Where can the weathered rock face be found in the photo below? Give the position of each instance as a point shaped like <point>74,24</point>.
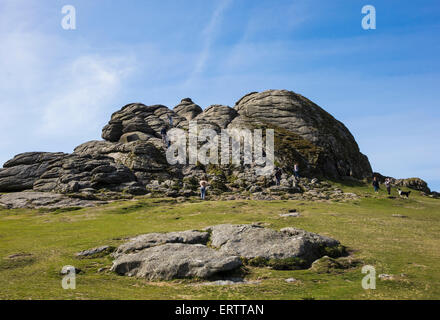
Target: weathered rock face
<point>153,239</point>
<point>95,252</point>
<point>251,241</point>
<point>412,183</point>
<point>47,200</point>
<point>187,109</point>
<point>21,172</point>
<point>132,155</point>
<point>216,117</point>
<point>146,159</point>
<point>137,121</point>
<point>66,173</point>
<point>185,254</point>
<point>305,133</point>
<point>175,260</point>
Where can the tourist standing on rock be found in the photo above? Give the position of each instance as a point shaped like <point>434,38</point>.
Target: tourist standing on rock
<point>170,119</point>
<point>388,185</point>
<point>203,184</point>
<point>296,170</point>
<point>376,185</point>
<point>277,176</point>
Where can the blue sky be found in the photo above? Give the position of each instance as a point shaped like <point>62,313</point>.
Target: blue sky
<point>59,87</point>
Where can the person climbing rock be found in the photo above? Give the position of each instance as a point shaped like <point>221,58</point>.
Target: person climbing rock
<point>375,185</point>
<point>388,185</point>
<point>203,184</point>
<point>277,175</point>
<point>170,120</point>
<point>296,170</point>
<point>163,133</point>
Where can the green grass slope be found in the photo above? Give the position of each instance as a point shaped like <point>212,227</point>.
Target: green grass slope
<point>407,247</point>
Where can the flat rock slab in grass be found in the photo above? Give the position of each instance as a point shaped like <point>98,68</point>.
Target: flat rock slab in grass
<point>175,260</point>
<point>230,282</point>
<point>385,276</point>
<point>148,240</point>
<point>164,256</point>
<point>45,200</point>
<point>94,252</point>
<point>252,241</point>
<point>291,214</point>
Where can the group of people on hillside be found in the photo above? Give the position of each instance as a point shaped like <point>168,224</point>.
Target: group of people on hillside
<point>387,184</point>
<point>277,173</point>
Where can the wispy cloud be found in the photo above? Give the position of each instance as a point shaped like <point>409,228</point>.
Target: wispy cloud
<point>84,87</point>
<point>209,33</point>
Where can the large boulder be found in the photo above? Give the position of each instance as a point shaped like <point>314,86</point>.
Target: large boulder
<point>140,122</point>
<point>75,172</point>
<point>187,254</point>
<point>21,172</point>
<point>216,116</point>
<point>187,109</point>
<point>253,241</point>
<point>153,239</point>
<point>175,260</point>
<point>146,159</point>
<point>413,183</point>
<point>66,173</point>
<point>305,133</point>
<point>46,200</point>
<point>132,154</point>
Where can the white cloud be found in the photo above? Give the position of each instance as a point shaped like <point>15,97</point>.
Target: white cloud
<point>54,91</point>
<point>86,85</point>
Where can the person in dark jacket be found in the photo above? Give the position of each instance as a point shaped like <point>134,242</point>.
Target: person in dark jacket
<point>376,185</point>
<point>278,176</point>
<point>163,133</point>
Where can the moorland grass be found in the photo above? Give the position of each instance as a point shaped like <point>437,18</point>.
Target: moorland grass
<point>407,247</point>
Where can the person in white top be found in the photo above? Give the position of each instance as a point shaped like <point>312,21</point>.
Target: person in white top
<point>203,184</point>
<point>296,170</point>
<point>388,185</point>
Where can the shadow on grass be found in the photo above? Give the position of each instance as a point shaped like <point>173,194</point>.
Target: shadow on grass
<point>18,262</point>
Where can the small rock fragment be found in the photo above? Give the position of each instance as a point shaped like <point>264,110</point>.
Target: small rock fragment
<point>293,214</point>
